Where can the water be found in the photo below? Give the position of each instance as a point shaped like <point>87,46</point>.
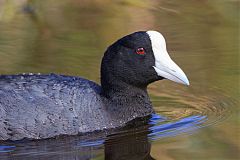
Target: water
<point>69,37</point>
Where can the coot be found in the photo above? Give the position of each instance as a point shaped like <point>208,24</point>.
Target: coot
<point>38,106</point>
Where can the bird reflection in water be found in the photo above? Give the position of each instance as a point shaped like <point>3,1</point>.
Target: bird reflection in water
<point>133,143</point>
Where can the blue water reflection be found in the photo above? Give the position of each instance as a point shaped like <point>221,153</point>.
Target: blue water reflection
<point>91,143</point>
<point>169,129</point>
<point>4,149</point>
<point>159,127</point>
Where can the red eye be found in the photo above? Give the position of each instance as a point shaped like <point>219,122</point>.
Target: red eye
<point>140,51</point>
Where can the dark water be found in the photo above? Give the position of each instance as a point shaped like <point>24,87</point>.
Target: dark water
<point>69,37</point>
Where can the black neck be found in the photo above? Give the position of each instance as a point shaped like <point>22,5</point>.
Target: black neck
<point>127,99</point>
<point>117,89</point>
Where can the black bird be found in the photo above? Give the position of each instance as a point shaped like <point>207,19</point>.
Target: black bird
<point>38,106</point>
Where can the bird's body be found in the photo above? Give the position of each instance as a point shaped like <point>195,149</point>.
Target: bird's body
<point>42,106</point>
